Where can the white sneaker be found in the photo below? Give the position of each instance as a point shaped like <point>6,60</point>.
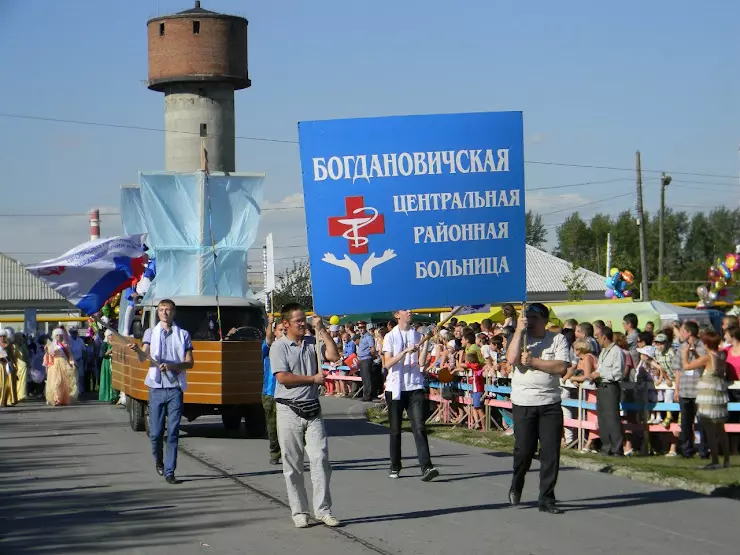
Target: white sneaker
<point>329,520</point>
<point>300,521</point>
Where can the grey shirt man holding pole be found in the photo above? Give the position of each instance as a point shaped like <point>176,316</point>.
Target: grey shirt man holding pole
<point>294,361</point>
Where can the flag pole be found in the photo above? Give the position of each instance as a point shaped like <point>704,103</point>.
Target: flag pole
<point>204,168</point>
<point>524,336</point>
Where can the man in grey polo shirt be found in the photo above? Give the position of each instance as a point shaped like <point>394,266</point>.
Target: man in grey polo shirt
<point>294,362</point>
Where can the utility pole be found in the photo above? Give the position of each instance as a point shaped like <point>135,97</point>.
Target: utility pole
<point>665,180</point>
<point>645,296</point>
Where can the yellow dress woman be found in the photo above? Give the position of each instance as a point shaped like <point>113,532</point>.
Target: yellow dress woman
<point>7,372</point>
<point>61,373</point>
<point>21,361</point>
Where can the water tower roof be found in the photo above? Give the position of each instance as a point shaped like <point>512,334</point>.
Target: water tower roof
<point>197,10</point>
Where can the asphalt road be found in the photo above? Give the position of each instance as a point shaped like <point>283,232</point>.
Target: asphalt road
<point>77,480</point>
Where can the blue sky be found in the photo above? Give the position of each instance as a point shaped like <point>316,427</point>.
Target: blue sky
<point>595,80</point>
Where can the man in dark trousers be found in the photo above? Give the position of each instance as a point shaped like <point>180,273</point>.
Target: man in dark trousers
<point>366,353</point>
<point>610,373</point>
<point>268,388</point>
<point>539,358</point>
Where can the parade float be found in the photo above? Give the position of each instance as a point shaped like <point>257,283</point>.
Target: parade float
<point>199,228</point>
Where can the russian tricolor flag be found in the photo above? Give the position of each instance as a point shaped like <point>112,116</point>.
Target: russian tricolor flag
<point>90,274</point>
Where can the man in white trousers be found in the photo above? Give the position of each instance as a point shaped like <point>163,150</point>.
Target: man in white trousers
<point>294,362</point>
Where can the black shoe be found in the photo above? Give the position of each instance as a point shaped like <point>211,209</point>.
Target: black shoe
<point>275,462</point>
<point>170,479</point>
<point>551,509</point>
<point>514,498</point>
<point>429,474</point>
<point>160,469</point>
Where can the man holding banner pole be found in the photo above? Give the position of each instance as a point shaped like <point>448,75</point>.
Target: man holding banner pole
<point>404,390</point>
<point>539,358</point>
<point>300,426</point>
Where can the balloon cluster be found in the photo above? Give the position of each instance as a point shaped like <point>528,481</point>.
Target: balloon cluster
<point>92,327</point>
<point>723,274</point>
<point>618,283</point>
<point>112,307</point>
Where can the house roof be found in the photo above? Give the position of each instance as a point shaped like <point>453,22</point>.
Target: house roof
<point>545,273</point>
<point>16,284</point>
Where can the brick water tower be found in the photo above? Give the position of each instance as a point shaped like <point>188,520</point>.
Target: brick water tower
<point>198,58</point>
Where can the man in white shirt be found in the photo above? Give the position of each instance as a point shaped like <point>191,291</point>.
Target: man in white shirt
<point>170,347</point>
<point>539,358</point>
<point>404,390</point>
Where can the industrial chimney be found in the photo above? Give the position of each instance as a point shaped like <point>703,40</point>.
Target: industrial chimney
<point>198,58</point>
<point>94,225</point>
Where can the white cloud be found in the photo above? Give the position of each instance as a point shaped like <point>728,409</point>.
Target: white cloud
<point>538,137</point>
<point>543,202</point>
<point>291,201</point>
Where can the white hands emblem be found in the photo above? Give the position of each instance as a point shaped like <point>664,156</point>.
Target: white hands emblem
<point>359,276</point>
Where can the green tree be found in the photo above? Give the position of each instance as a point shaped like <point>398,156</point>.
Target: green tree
<point>294,286</point>
<point>575,283</point>
<point>536,234</point>
<point>691,245</point>
<point>575,241</point>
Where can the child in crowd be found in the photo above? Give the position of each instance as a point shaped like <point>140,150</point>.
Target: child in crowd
<point>664,356</point>
<point>649,375</point>
<point>473,367</point>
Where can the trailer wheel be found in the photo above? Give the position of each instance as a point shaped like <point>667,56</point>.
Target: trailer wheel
<point>254,419</point>
<point>232,420</point>
<point>136,416</point>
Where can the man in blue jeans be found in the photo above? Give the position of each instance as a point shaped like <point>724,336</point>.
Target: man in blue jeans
<point>169,350</point>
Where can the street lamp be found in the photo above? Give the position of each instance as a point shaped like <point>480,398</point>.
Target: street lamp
<point>665,180</point>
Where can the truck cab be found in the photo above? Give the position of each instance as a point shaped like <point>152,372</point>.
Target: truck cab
<point>226,378</point>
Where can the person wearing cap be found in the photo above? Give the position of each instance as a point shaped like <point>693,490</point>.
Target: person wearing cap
<point>665,356</point>
<point>539,359</point>
<point>366,354</point>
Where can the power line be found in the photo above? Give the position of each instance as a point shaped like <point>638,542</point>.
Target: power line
<point>134,127</point>
<point>39,215</point>
<point>528,190</point>
<point>285,141</point>
<point>571,208</point>
<point>614,168</point>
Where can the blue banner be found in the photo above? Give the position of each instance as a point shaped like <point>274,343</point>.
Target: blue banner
<point>414,211</point>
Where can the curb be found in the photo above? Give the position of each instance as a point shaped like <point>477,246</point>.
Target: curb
<point>730,491</point>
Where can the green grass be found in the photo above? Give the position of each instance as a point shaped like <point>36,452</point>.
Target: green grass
<point>653,469</point>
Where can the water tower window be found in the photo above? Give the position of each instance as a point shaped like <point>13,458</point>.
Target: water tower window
<point>196,27</point>
<point>161,29</point>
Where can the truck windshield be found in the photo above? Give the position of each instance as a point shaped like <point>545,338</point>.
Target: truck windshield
<point>239,323</point>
